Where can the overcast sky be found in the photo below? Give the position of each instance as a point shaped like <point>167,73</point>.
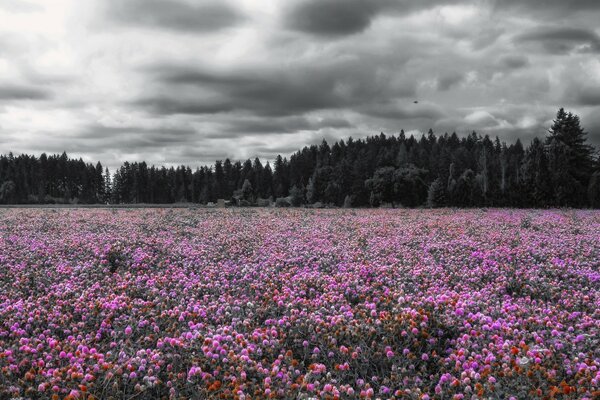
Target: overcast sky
<point>192,81</point>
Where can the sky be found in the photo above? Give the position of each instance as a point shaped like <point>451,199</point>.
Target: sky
<point>193,81</point>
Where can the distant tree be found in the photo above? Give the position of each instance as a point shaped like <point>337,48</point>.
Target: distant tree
<point>436,194</point>
<point>409,185</point>
<point>382,185</point>
<point>7,192</point>
<point>594,190</point>
<point>107,187</point>
<point>535,179</point>
<point>348,201</point>
<point>296,196</point>
<point>247,191</point>
<point>266,181</point>
<point>463,191</point>
<point>374,200</point>
<point>311,191</point>
<point>571,159</point>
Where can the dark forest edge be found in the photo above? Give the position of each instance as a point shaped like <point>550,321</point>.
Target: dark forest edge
<point>560,170</point>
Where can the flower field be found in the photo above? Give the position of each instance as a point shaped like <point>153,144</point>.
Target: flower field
<point>299,304</point>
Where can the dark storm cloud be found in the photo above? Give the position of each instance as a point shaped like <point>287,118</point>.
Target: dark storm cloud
<point>21,92</point>
<point>158,134</point>
<point>589,96</point>
<point>561,40</point>
<point>96,137</point>
<point>449,80</point>
<point>268,91</point>
<point>406,111</point>
<point>332,17</point>
<point>335,18</point>
<point>515,61</point>
<point>545,6</point>
<point>169,105</point>
<point>179,15</point>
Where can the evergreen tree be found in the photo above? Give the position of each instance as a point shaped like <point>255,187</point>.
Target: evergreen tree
<point>247,191</point>
<point>107,187</point>
<point>535,180</point>
<point>571,159</point>
<point>436,194</point>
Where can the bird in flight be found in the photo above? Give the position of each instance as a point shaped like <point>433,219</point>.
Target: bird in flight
<point>416,102</point>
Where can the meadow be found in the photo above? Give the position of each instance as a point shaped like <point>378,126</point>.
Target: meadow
<point>269,303</point>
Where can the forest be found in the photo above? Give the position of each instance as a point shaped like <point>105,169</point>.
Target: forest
<point>560,170</point>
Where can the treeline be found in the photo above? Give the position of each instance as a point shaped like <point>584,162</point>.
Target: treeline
<point>558,171</point>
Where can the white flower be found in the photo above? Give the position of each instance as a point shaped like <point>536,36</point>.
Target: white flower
<point>524,361</point>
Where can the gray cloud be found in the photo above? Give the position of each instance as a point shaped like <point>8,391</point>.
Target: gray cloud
<point>407,111</point>
<point>450,79</point>
<point>179,15</point>
<point>170,105</point>
<point>280,125</point>
<point>561,40</point>
<point>335,18</point>
<point>22,92</point>
<point>159,134</point>
<point>543,6</point>
<point>268,91</point>
<point>515,61</point>
<point>191,81</point>
<point>332,17</point>
<point>589,96</point>
<point>19,6</point>
<point>591,120</point>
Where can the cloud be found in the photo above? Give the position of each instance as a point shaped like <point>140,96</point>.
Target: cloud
<point>590,120</point>
<point>268,91</point>
<point>170,105</point>
<point>515,61</point>
<point>177,15</point>
<point>407,111</point>
<point>332,17</point>
<point>21,92</point>
<point>336,18</point>
<point>589,96</point>
<point>280,125</point>
<point>20,6</point>
<point>555,6</point>
<point>449,80</point>
<point>562,40</point>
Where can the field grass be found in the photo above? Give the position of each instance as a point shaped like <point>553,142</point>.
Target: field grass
<point>270,303</point>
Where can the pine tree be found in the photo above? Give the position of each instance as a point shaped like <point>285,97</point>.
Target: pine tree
<point>571,159</point>
<point>436,195</point>
<point>594,190</point>
<point>107,187</point>
<point>535,181</point>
